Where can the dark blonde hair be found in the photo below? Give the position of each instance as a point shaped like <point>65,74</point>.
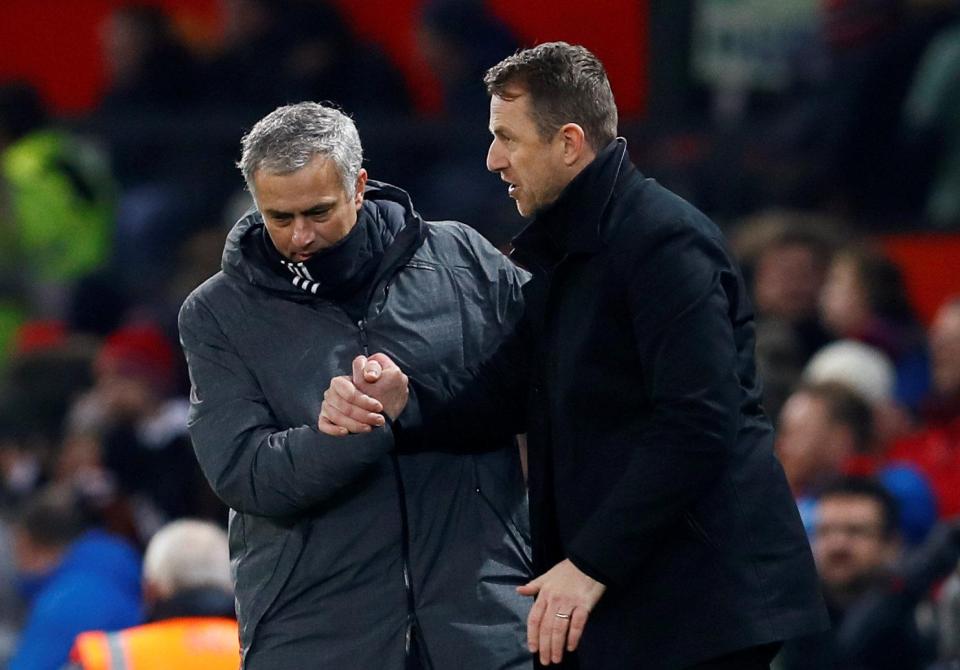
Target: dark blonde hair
<point>566,84</point>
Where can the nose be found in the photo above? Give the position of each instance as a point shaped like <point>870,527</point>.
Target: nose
<point>496,159</point>
<point>303,233</point>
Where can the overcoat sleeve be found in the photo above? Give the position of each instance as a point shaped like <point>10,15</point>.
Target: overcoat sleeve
<point>677,290</point>
<point>253,464</point>
<point>475,408</point>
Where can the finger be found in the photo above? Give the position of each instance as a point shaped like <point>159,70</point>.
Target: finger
<point>533,624</point>
<point>529,589</point>
<point>352,411</point>
<point>357,370</point>
<point>337,408</point>
<point>371,371</point>
<point>324,426</point>
<point>338,418</point>
<point>344,388</point>
<point>544,634</point>
<point>578,620</point>
<point>558,633</point>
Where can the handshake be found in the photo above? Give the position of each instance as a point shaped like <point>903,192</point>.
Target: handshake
<point>359,402</point>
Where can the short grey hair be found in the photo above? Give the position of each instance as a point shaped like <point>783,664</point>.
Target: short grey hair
<point>289,137</point>
<point>188,554</point>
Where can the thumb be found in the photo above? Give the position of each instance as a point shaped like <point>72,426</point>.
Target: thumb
<point>386,363</point>
<point>358,364</point>
<point>372,370</point>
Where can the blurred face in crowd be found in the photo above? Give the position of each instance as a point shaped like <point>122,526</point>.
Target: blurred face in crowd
<point>32,557</point>
<point>307,210</point>
<point>125,394</point>
<point>844,303</point>
<point>945,351</point>
<point>810,444</point>
<point>850,544</point>
<point>534,167</point>
<point>788,281</point>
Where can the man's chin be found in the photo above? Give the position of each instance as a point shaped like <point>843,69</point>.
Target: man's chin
<point>525,211</point>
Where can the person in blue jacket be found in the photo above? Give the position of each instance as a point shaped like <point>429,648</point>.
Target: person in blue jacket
<point>72,576</point>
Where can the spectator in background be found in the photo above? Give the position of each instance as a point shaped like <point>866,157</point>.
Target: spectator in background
<point>948,618</point>
<point>459,40</point>
<point>932,119</point>
<point>826,431</point>
<point>47,371</point>
<point>279,51</point>
<point>73,578</point>
<point>244,72</point>
<point>148,67</point>
<point>935,449</point>
<point>56,210</point>
<point>865,299</point>
<point>871,595</point>
<point>189,596</point>
<point>136,430</point>
<point>943,405</point>
<point>875,48</point>
<point>869,372</point>
<point>822,426</point>
<point>785,256</point>
<point>324,60</point>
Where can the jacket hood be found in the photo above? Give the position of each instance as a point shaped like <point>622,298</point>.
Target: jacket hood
<point>244,256</point>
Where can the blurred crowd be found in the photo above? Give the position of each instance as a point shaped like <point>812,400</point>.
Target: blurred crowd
<point>108,221</point>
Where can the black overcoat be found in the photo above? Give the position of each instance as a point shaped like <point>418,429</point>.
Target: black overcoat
<point>651,461</point>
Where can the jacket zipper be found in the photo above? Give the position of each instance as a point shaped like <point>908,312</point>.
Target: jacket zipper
<point>412,624</point>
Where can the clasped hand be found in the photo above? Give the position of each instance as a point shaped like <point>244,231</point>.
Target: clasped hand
<point>358,403</point>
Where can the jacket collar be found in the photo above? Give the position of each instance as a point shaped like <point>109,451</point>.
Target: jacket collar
<point>245,255</point>
<point>573,223</point>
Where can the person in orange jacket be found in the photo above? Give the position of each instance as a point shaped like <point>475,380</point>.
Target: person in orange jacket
<point>189,593</point>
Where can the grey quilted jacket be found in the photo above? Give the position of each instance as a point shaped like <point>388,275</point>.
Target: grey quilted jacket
<point>344,551</point>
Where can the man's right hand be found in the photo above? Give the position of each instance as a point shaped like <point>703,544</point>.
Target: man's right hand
<point>354,404</point>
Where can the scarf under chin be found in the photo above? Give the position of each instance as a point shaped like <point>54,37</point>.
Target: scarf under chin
<point>337,271</point>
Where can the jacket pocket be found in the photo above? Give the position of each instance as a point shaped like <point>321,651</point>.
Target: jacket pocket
<point>269,556</point>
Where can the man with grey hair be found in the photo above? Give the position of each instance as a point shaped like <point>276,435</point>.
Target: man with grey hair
<point>346,553</point>
<point>664,532</point>
<point>188,594</point>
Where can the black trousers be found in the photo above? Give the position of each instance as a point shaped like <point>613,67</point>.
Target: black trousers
<point>751,658</point>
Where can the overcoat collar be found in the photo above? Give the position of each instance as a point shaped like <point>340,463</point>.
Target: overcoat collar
<point>572,223</point>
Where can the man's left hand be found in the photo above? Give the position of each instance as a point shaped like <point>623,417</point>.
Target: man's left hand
<point>562,590</point>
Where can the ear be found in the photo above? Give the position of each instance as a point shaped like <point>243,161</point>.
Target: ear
<point>575,144</point>
<point>361,184</point>
<point>151,594</point>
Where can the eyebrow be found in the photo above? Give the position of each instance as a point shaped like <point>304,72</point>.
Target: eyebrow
<point>319,208</point>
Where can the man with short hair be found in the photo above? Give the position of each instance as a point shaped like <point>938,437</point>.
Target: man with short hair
<point>822,426</point>
<point>664,532</point>
<point>872,592</point>
<point>189,596</point>
<point>73,577</point>
<point>351,555</point>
